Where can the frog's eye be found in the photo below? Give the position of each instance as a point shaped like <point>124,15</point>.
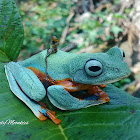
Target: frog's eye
<point>122,52</point>
<point>93,67</point>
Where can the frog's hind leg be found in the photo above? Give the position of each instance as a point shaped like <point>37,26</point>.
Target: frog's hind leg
<point>21,81</point>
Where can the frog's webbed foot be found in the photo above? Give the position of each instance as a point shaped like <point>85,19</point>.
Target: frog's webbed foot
<point>45,113</point>
<point>25,85</point>
<point>62,99</point>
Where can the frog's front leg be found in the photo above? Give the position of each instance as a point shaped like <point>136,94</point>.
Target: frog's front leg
<point>62,99</point>
<point>28,88</point>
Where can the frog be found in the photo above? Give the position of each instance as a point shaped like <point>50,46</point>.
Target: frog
<point>70,82</point>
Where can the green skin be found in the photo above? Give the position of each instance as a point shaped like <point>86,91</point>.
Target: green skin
<point>62,65</point>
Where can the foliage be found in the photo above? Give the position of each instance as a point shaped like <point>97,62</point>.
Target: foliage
<point>43,19</point>
<point>11,31</point>
<point>122,82</point>
<point>94,28</point>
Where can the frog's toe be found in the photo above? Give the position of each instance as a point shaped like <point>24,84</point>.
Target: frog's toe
<point>46,113</point>
<point>63,100</point>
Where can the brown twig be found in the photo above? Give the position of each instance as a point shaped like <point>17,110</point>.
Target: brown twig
<point>108,5</point>
<point>69,47</point>
<point>65,31</point>
<point>52,49</point>
<point>91,6</point>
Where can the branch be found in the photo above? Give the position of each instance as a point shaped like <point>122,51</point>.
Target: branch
<point>65,31</point>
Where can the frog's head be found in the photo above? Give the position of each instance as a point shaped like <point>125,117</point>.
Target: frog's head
<point>99,68</point>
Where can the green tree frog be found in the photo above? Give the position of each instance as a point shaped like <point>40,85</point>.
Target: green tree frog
<point>72,81</point>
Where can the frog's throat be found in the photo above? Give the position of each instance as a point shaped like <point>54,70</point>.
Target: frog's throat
<point>78,90</point>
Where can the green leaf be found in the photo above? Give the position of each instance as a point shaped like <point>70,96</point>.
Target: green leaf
<point>100,31</point>
<point>116,29</point>
<point>118,119</point>
<point>118,15</point>
<point>11,31</point>
<point>92,35</point>
<point>127,11</point>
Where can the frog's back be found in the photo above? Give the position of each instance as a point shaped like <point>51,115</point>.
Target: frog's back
<point>54,60</point>
<point>57,64</point>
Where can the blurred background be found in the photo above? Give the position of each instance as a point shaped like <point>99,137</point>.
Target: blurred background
<point>85,26</point>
